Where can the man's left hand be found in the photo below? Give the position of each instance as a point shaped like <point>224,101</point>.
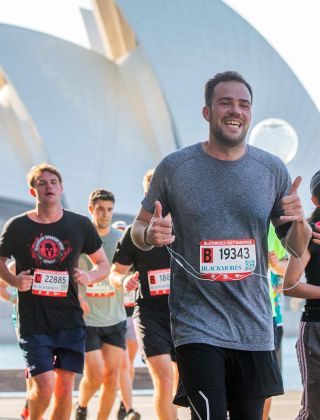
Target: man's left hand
<point>291,204</point>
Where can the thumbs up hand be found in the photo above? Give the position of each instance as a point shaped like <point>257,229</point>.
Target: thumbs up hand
<point>159,232</point>
<point>131,282</point>
<point>291,204</point>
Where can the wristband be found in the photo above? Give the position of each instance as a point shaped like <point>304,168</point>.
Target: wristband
<point>145,237</point>
<point>122,280</point>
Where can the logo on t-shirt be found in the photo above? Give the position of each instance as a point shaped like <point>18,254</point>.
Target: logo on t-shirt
<point>48,249</point>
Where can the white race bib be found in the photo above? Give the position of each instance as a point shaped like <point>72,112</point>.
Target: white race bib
<point>129,298</point>
<point>101,289</point>
<point>159,281</point>
<point>50,283</point>
<point>227,260</point>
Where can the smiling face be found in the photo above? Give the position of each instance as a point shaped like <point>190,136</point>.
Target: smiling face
<point>229,115</point>
<point>47,189</point>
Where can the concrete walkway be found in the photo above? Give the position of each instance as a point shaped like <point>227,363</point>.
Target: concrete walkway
<point>283,408</point>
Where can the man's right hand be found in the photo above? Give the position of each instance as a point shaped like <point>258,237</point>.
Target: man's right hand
<point>23,281</point>
<point>131,282</point>
<point>159,232</point>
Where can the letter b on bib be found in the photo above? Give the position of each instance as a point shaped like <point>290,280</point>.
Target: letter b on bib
<point>207,255</point>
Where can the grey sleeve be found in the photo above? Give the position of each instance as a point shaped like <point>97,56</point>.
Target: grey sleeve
<point>283,182</point>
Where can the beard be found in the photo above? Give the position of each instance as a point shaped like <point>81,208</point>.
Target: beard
<point>225,140</point>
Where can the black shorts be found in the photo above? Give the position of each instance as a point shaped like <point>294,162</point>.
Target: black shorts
<point>61,350</point>
<point>152,320</point>
<point>239,374</point>
<point>114,335</point>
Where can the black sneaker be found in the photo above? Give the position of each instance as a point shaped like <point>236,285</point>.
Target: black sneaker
<point>132,415</point>
<point>122,412</point>
<point>80,412</point>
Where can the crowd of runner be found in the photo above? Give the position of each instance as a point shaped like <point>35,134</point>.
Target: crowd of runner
<point>187,283</point>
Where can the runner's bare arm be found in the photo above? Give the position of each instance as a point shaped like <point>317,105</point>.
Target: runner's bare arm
<point>277,266</point>
<point>4,293</point>
<point>151,230</point>
<point>293,274</point>
<point>299,234</point>
<point>99,272</point>
<point>22,281</point>
<point>120,278</point>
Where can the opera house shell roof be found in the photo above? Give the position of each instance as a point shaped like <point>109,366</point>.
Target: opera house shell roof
<point>105,114</point>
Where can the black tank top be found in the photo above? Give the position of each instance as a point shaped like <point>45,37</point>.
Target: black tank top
<point>312,271</point>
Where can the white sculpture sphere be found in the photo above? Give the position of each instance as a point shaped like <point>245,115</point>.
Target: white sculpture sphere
<point>277,137</point>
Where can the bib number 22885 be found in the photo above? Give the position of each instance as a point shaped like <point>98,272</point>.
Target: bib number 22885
<point>50,283</point>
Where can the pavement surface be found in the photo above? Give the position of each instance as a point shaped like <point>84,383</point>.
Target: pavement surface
<point>284,407</point>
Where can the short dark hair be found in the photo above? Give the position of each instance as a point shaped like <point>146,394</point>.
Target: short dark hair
<point>227,76</point>
<point>315,191</point>
<point>100,194</point>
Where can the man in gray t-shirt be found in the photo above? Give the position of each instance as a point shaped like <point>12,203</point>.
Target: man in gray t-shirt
<point>222,194</point>
<point>105,319</point>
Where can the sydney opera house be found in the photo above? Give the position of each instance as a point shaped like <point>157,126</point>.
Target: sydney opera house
<point>106,112</point>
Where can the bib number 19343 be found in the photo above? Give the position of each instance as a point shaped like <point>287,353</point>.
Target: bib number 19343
<point>227,260</point>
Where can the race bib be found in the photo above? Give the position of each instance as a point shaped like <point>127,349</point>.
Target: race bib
<point>227,260</point>
<point>50,283</point>
<point>159,282</point>
<point>101,289</point>
<point>129,298</point>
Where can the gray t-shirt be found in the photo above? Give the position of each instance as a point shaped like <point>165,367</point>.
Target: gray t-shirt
<point>211,200</point>
<point>106,310</point>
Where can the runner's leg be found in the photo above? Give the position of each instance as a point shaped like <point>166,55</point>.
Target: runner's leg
<point>162,374</point>
<point>41,389</point>
<point>62,395</point>
<point>92,378</point>
<point>112,357</point>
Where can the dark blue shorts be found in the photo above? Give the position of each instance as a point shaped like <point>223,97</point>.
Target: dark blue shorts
<point>62,350</point>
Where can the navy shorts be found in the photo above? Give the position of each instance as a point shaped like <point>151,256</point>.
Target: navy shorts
<point>153,330</point>
<point>62,350</point>
<point>115,335</point>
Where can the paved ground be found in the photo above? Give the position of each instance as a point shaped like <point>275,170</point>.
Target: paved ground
<point>283,408</point>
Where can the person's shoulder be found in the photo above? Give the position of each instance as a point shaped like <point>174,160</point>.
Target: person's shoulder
<point>184,153</point>
<point>265,158</point>
<point>116,233</point>
<point>126,234</point>
<point>17,220</point>
<point>70,216</point>
<point>172,161</point>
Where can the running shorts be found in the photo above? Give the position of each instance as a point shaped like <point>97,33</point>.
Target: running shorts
<point>62,350</point>
<point>115,335</point>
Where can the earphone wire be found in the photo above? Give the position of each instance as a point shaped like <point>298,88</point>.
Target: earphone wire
<point>173,255</point>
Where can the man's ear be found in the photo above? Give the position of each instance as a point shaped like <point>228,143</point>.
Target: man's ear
<point>32,192</point>
<point>206,112</point>
<point>90,208</point>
